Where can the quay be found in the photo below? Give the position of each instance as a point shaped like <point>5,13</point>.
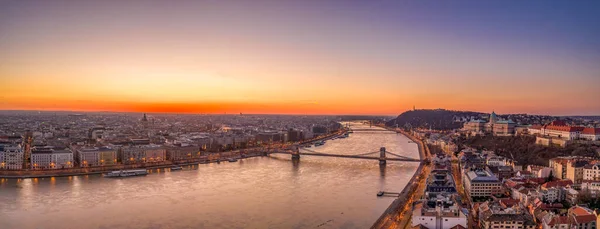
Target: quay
<point>395,215</point>
<point>210,158</point>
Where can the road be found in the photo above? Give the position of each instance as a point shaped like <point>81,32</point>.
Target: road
<point>398,215</point>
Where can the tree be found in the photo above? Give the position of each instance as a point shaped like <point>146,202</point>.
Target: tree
<point>550,177</point>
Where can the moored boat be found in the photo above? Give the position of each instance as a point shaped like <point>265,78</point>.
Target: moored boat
<point>175,168</point>
<point>320,143</point>
<point>126,173</point>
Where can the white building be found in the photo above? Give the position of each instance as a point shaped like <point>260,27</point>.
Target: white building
<point>593,187</point>
<point>439,212</point>
<point>560,129</point>
<point>539,171</point>
<point>62,159</point>
<point>87,157</point>
<point>496,161</point>
<point>11,157</point>
<point>48,158</point>
<point>550,195</point>
<point>591,172</point>
<point>592,134</point>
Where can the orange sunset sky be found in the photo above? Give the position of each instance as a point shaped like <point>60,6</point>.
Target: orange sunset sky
<point>295,58</point>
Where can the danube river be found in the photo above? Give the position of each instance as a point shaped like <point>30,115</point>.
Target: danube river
<point>260,192</point>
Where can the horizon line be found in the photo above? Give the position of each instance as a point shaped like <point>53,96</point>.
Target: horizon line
<point>291,114</point>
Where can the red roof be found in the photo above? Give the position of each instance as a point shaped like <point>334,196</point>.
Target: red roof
<point>560,183</point>
<point>565,128</point>
<point>590,130</point>
<point>585,219</point>
<point>508,202</point>
<point>579,211</point>
<point>559,220</point>
<point>581,215</point>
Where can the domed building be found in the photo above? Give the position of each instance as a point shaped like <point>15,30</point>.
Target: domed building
<point>494,125</point>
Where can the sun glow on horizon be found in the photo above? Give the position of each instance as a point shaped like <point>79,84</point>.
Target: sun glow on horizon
<point>309,58</point>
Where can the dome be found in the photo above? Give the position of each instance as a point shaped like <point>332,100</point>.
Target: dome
<point>493,117</point>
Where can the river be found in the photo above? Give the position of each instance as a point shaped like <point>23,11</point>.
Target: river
<point>260,192</point>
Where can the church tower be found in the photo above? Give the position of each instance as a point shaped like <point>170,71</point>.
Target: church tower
<point>493,117</point>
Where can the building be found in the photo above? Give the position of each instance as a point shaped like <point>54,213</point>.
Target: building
<point>504,128</point>
<point>494,160</point>
<point>96,132</point>
<point>575,171</point>
<point>143,154</point>
<point>475,126</point>
<point>555,191</point>
<point>560,129</point>
<point>440,182</point>
<point>494,126</point>
<point>591,186</point>
<point>591,172</point>
<point>502,172</point>
<point>492,215</point>
<point>582,218</point>
<point>539,171</point>
<point>589,133</point>
<point>177,153</point>
<point>440,211</point>
<point>556,222</point>
<point>560,165</point>
<point>481,184</point>
<point>49,158</point>
<point>295,135</point>
<point>11,157</point>
<point>103,156</point>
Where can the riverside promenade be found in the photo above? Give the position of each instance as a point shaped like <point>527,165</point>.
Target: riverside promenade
<point>398,214</point>
<point>208,158</point>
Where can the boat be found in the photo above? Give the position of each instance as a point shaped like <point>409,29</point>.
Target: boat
<point>232,160</point>
<point>175,168</point>
<point>320,143</point>
<point>126,173</point>
<point>380,193</point>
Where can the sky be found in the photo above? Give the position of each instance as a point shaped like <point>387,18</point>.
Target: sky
<point>301,57</point>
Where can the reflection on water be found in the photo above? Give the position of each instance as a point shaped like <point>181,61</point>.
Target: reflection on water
<point>266,192</point>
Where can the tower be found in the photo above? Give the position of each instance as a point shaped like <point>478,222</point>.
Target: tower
<point>493,117</point>
<point>144,119</point>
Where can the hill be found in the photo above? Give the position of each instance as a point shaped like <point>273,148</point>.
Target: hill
<point>524,150</point>
<point>438,119</point>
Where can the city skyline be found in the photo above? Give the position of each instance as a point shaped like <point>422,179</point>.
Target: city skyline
<point>280,57</point>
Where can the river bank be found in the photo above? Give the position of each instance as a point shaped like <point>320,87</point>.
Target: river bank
<point>257,192</point>
<point>210,158</point>
<point>393,217</point>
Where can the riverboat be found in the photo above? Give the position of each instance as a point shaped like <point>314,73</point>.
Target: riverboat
<point>126,173</point>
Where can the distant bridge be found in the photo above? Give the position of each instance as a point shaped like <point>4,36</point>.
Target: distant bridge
<point>355,130</point>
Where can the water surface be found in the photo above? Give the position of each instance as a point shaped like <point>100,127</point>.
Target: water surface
<point>262,192</point>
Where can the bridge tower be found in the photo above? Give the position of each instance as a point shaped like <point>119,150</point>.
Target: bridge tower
<point>296,153</point>
<point>382,160</point>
